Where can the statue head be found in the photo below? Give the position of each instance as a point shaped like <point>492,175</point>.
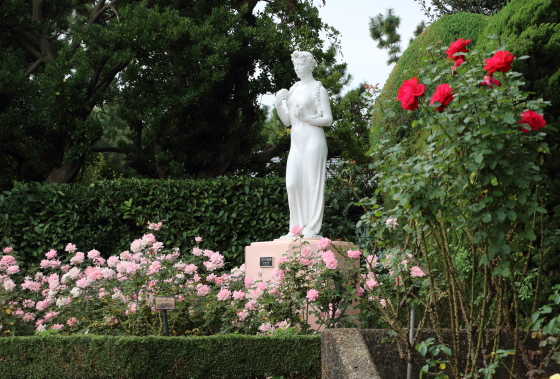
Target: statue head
<point>306,56</point>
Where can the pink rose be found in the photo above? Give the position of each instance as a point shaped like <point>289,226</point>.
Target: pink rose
<point>8,250</point>
<point>77,259</point>
<point>354,254</point>
<point>312,295</point>
<point>323,243</point>
<point>391,223</point>
<point>198,239</point>
<point>371,283</point>
<point>9,285</point>
<point>331,263</point>
<point>51,254</point>
<point>296,230</point>
<point>248,281</point>
<point>224,294</point>
<point>202,290</point>
<point>238,295</point>
<point>70,248</point>
<point>416,272</point>
<point>71,321</point>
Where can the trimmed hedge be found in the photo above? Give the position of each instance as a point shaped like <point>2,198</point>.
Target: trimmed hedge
<point>222,356</point>
<point>229,213</point>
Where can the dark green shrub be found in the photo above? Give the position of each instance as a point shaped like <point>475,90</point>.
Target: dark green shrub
<point>223,356</point>
<point>229,213</point>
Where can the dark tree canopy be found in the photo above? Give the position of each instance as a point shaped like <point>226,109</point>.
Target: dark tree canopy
<point>181,76</point>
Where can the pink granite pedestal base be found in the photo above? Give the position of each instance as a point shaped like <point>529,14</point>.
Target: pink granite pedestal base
<point>277,249</point>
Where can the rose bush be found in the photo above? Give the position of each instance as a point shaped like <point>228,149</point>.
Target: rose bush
<point>468,208</point>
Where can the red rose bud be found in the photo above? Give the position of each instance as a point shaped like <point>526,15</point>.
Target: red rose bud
<point>443,95</point>
<point>533,119</point>
<point>501,61</point>
<point>490,81</point>
<point>409,93</point>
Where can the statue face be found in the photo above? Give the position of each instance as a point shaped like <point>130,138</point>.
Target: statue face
<point>302,67</point>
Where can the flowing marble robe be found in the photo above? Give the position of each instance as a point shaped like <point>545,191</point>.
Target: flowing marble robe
<point>305,171</point>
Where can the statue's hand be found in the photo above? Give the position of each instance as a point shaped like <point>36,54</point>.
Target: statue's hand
<point>281,96</point>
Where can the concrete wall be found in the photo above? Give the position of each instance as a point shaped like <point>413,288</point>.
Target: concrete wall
<point>370,354</point>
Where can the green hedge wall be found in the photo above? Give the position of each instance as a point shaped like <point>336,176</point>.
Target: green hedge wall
<point>229,213</point>
<point>225,356</point>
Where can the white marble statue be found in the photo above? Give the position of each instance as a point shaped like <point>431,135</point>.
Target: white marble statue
<point>308,110</point>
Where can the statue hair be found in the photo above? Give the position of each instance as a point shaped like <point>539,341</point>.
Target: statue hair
<point>306,56</point>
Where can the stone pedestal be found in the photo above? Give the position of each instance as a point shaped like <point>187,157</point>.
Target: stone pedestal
<point>275,250</point>
<point>269,252</point>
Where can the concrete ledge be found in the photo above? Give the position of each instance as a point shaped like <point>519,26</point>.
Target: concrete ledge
<point>346,356</point>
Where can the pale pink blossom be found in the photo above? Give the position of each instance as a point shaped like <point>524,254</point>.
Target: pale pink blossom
<point>190,269</point>
<point>92,254</point>
<point>224,294</point>
<point>196,251</point>
<point>278,274</point>
<point>248,281</point>
<point>77,259</point>
<point>312,295</point>
<point>354,254</point>
<point>359,291</point>
<point>202,290</point>
<point>266,327</point>
<point>383,303</point>
<point>331,263</point>
<point>198,239</point>
<point>149,238</point>
<point>7,260</point>
<point>9,285</point>
<point>282,260</point>
<point>31,286</point>
<point>64,268</point>
<point>372,260</point>
<point>154,267</point>
<point>136,246</point>
<point>238,295</point>
<point>8,250</point>
<point>323,243</point>
<point>391,223</point>
<point>70,248</point>
<point>125,255</point>
<point>50,315</point>
<point>112,261</point>
<point>12,269</point>
<point>71,321</point>
<point>250,305</point>
<point>42,305</point>
<point>296,230</point>
<point>28,317</point>
<point>99,261</point>
<point>261,286</point>
<point>243,315</point>
<point>416,272</point>
<point>305,262</point>
<point>371,283</point>
<point>154,226</point>
<point>28,303</point>
<point>306,251</point>
<point>51,254</point>
<point>208,253</point>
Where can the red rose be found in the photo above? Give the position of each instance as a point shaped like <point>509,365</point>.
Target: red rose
<point>457,47</point>
<point>535,121</point>
<point>409,93</point>
<point>443,95</point>
<point>501,61</point>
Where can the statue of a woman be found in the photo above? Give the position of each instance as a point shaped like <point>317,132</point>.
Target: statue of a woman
<point>308,111</point>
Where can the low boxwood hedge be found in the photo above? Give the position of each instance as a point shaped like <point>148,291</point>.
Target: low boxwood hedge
<point>219,356</point>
